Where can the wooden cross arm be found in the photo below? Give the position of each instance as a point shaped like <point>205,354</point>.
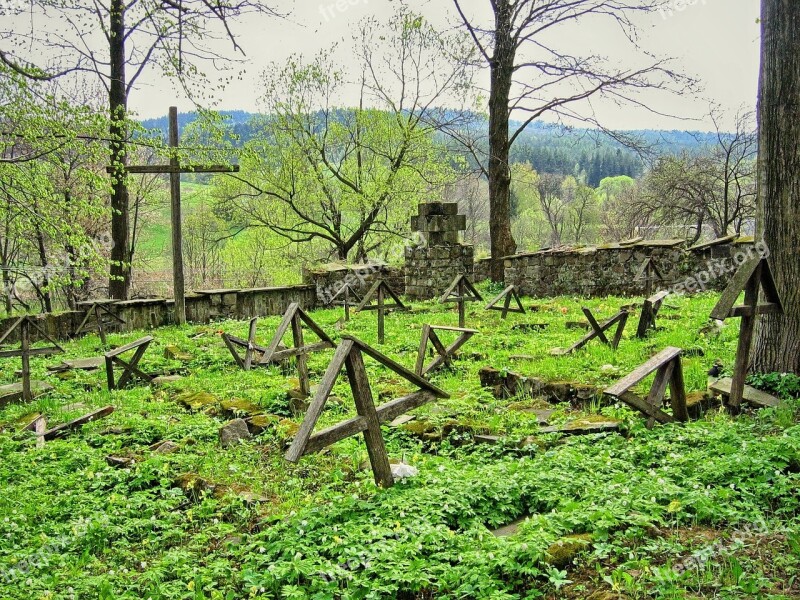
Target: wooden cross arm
<point>345,429</point>
<point>641,372</point>
<point>768,308</point>
<point>458,329</point>
<point>127,347</point>
<point>167,169</point>
<point>30,352</point>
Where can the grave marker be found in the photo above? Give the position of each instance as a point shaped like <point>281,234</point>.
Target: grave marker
<point>349,354</point>
<point>129,367</point>
<point>598,331</point>
<point>24,324</point>
<point>650,274</point>
<point>342,298</point>
<point>294,317</point>
<point>445,354</point>
<point>379,291</point>
<point>103,319</point>
<point>511,292</point>
<point>752,278</point>
<point>647,320</point>
<point>669,372</point>
<point>460,292</point>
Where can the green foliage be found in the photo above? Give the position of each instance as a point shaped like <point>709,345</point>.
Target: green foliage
<point>73,526</point>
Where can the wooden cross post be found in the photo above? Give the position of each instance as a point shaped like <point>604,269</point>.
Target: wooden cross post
<point>174,169</point>
<point>24,324</point>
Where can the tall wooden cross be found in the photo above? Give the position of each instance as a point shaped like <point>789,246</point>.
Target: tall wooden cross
<point>174,169</point>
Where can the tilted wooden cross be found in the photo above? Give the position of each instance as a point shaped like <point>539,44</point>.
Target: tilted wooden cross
<point>174,170</point>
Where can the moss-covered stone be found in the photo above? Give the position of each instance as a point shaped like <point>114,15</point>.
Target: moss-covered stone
<point>172,352</point>
<point>258,424</point>
<point>197,401</point>
<point>563,551</point>
<point>238,407</point>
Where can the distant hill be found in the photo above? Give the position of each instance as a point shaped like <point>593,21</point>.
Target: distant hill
<point>549,148</point>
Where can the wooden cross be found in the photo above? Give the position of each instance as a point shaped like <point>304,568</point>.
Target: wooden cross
<point>445,354</point>
<point>669,371</point>
<point>103,318</point>
<point>598,331</point>
<point>647,320</point>
<point>753,277</point>
<point>649,273</point>
<point>294,317</point>
<point>379,291</point>
<point>349,354</point>
<point>461,291</point>
<point>174,170</point>
<point>509,293</point>
<point>250,346</point>
<point>129,367</point>
<point>344,293</point>
<point>24,325</point>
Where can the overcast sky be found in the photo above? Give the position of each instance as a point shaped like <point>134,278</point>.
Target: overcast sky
<point>716,41</point>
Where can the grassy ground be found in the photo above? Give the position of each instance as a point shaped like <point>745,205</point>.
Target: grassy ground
<point>707,509</point>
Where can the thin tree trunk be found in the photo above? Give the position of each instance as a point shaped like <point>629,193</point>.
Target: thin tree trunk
<point>777,347</point>
<point>120,279</point>
<point>502,69</point>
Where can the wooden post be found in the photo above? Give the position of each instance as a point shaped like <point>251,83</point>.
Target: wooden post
<point>746,332</point>
<point>347,303</point>
<point>177,235</point>
<point>461,303</point>
<point>302,364</point>
<point>381,310</point>
<point>365,406</point>
<point>27,396</point>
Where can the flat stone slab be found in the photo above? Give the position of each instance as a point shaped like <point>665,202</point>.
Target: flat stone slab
<point>79,364</point>
<point>402,420</point>
<point>583,427</point>
<point>751,394</point>
<point>510,529</point>
<point>13,391</point>
<point>165,380</point>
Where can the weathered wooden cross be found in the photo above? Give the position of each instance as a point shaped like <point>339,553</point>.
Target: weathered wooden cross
<point>294,317</point>
<point>650,274</point>
<point>103,319</point>
<point>598,331</point>
<point>461,291</point>
<point>753,276</point>
<point>511,292</point>
<point>342,298</point>
<point>349,354</point>
<point>669,372</point>
<point>129,367</point>
<point>24,325</point>
<point>445,354</point>
<point>174,170</point>
<point>379,291</point>
<point>647,320</point>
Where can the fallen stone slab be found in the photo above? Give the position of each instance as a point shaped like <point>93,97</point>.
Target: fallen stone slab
<point>233,433</point>
<point>196,400</point>
<point>163,380</point>
<point>164,447</point>
<point>507,384</point>
<point>510,529</point>
<point>751,394</point>
<point>584,426</point>
<point>402,420</point>
<point>173,352</point>
<point>238,407</point>
<point>13,391</point>
<point>78,364</point>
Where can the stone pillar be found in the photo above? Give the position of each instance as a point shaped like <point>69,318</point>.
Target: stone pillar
<point>432,265</point>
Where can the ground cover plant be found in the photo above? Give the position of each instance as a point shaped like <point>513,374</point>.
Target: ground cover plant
<point>707,509</point>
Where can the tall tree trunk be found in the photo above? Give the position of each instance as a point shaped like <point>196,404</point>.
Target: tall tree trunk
<point>777,346</point>
<point>120,276</point>
<point>502,70</point>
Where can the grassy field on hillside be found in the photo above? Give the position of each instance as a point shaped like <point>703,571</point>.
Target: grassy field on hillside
<point>706,509</point>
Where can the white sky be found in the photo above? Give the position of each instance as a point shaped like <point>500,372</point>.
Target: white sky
<point>716,41</point>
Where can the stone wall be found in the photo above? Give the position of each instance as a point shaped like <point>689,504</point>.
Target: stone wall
<point>201,307</point>
<point>612,269</point>
<point>429,270</point>
<point>327,280</point>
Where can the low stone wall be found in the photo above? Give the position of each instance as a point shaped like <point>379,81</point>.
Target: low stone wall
<point>327,280</point>
<point>613,269</point>
<point>430,269</point>
<point>201,307</point>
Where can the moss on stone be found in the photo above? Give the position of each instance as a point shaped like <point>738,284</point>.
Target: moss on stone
<point>563,551</point>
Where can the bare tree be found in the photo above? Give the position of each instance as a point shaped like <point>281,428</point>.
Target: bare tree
<point>531,76</point>
<point>115,42</point>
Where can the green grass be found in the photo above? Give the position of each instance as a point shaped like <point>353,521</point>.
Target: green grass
<point>720,489</point>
